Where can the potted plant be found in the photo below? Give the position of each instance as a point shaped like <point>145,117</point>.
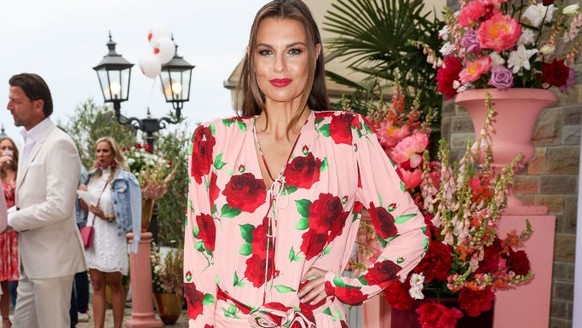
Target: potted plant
<point>167,283</point>
<point>467,259</point>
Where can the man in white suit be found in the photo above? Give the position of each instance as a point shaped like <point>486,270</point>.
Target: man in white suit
<point>50,246</point>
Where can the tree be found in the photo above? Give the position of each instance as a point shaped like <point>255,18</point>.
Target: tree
<point>90,122</point>
<point>373,38</point>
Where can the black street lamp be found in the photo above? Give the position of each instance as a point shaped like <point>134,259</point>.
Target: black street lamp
<point>114,73</point>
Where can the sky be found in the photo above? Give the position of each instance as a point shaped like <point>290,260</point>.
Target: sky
<point>62,40</point>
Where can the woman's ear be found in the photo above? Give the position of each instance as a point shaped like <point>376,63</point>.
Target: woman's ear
<point>317,51</point>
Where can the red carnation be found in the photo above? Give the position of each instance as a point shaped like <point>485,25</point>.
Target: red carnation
<point>491,258</point>
<point>437,315</point>
<point>381,272</point>
<point>303,172</point>
<point>473,302</point>
<point>206,230</point>
<point>436,263</point>
<point>194,299</point>
<point>555,73</point>
<point>518,262</point>
<point>340,128</point>
<point>447,74</point>
<point>202,144</point>
<point>245,192</point>
<point>396,294</point>
<point>383,222</point>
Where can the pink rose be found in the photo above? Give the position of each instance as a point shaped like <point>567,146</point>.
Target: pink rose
<point>501,78</point>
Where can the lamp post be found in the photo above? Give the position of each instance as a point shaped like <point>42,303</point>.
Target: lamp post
<point>114,73</point>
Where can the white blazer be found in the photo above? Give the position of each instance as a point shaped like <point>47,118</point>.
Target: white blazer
<point>50,244</point>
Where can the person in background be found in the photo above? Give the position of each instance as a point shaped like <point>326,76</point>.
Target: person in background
<point>114,211</point>
<point>8,239</point>
<point>50,248</point>
<point>80,299</point>
<point>276,194</point>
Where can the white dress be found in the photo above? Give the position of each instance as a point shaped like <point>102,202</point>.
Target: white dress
<point>109,250</point>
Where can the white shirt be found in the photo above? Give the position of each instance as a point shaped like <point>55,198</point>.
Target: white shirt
<point>30,139</point>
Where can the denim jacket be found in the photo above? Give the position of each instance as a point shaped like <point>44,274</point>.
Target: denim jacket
<point>126,198</point>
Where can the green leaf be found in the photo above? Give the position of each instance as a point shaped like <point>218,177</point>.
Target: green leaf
<point>241,125</point>
<point>324,165</point>
<point>302,224</point>
<point>284,289</point>
<point>246,231</point>
<point>229,212</point>
<point>227,122</point>
<point>402,186</point>
<point>199,246</point>
<point>337,280</point>
<point>246,249</point>
<point>326,311</point>
<point>208,299</point>
<point>324,130</point>
<point>195,231</point>
<point>294,257</point>
<point>235,279</point>
<point>303,207</point>
<point>362,280</point>
<point>382,242</point>
<point>218,163</point>
<point>327,250</point>
<point>230,312</point>
<point>289,190</point>
<point>403,218</point>
<point>212,129</point>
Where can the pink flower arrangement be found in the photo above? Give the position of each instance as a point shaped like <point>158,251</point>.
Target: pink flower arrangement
<point>462,203</point>
<point>503,45</point>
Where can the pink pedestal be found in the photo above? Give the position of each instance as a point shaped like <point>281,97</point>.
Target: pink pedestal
<point>142,306</point>
<point>376,313</point>
<point>529,305</point>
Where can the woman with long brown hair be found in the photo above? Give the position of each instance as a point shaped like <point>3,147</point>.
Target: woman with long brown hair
<point>8,239</point>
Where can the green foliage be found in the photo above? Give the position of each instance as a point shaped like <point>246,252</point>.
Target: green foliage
<point>90,122</point>
<point>375,38</point>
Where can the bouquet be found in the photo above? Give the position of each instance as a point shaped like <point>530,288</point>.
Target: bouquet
<point>508,44</point>
<point>153,172</point>
<point>462,203</point>
<point>167,272</point>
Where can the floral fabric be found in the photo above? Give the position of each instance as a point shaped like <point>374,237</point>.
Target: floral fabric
<point>9,241</point>
<point>255,245</point>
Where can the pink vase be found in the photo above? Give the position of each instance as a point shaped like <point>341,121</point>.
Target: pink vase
<point>517,112</point>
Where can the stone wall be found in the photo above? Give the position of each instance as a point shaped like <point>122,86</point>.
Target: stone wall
<point>551,179</point>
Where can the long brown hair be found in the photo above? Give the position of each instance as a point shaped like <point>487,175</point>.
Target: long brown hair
<point>15,156</point>
<point>249,97</point>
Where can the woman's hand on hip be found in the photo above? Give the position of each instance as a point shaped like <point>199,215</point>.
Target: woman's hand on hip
<point>312,287</point>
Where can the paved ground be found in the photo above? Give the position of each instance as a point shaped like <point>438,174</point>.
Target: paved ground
<point>182,321</point>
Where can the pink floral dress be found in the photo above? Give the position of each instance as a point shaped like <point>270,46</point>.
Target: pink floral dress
<point>247,248</point>
<point>9,241</point>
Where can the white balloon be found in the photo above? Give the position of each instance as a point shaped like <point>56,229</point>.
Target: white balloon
<point>157,32</point>
<point>164,50</point>
<point>150,66</point>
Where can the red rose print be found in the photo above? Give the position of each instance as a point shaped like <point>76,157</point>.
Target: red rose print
<point>202,144</point>
<point>207,230</point>
<point>208,326</point>
<point>383,222</point>
<point>194,299</point>
<point>337,226</point>
<point>352,296</point>
<point>303,172</point>
<point>340,128</point>
<point>255,270</point>
<point>381,272</point>
<point>324,211</point>
<point>245,192</point>
<point>259,244</point>
<point>213,190</point>
<point>313,243</point>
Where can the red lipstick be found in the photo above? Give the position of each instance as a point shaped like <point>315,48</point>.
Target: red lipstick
<point>280,83</point>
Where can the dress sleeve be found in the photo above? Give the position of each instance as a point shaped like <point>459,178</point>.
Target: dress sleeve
<point>397,221</point>
<point>199,274</point>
